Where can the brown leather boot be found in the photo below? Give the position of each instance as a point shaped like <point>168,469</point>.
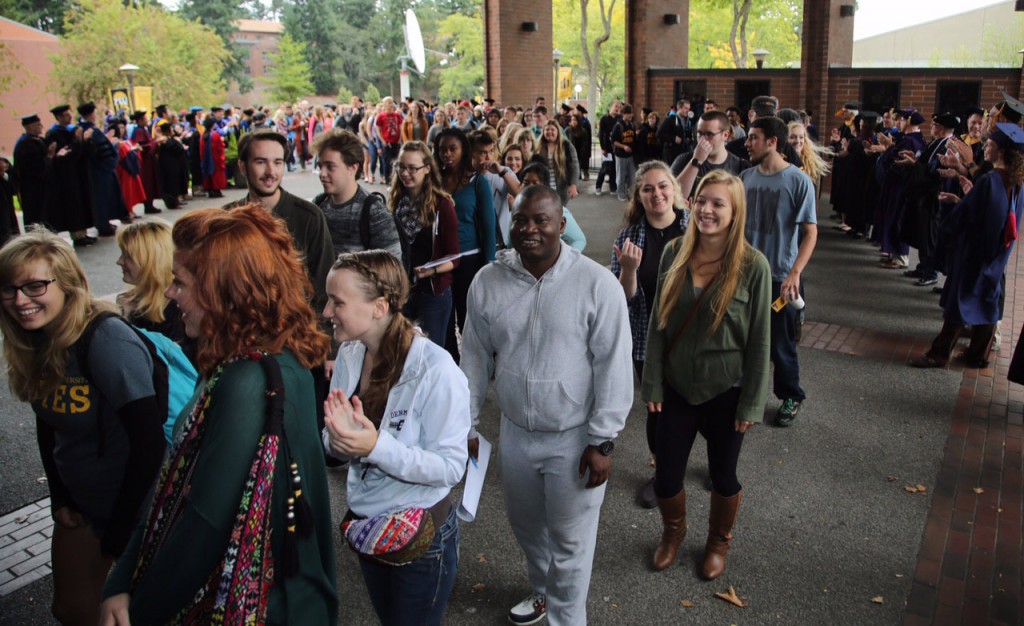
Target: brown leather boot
<point>673,519</point>
<point>723,516</point>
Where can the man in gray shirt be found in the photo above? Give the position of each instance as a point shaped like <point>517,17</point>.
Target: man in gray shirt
<point>356,220</point>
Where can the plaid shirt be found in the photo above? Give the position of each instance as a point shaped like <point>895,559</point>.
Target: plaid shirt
<point>637,305</point>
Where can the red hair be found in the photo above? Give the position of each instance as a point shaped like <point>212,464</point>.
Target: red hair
<point>251,285</point>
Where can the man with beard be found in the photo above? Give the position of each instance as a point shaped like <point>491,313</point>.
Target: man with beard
<point>30,173</point>
<point>676,133</point>
<point>782,224</point>
<point>107,199</point>
<point>261,158</point>
<point>557,323</point>
<point>69,203</point>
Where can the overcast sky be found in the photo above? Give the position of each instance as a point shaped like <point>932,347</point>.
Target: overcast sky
<point>881,16</point>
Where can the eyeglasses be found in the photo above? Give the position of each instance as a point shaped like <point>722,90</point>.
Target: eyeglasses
<point>408,169</point>
<point>32,289</point>
<point>709,135</point>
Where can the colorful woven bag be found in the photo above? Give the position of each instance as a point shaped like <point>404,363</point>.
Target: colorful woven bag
<point>391,538</point>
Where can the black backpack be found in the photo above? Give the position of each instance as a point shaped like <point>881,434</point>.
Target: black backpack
<point>364,216</point>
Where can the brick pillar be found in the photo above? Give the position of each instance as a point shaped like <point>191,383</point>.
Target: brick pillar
<point>650,42</point>
<point>827,42</point>
<point>518,63</point>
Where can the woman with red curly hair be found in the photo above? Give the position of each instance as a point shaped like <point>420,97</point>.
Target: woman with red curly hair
<point>239,527</point>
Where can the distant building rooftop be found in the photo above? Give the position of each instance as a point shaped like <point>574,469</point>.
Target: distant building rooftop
<point>259,26</point>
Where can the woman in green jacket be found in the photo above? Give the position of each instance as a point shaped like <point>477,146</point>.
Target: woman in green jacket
<point>706,368</point>
<point>239,527</point>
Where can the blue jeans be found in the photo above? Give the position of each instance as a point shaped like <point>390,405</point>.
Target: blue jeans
<point>783,349</point>
<point>432,312</point>
<point>416,593</point>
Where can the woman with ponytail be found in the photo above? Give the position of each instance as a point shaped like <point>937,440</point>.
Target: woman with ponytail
<point>706,366</point>
<point>399,410</point>
<point>239,527</point>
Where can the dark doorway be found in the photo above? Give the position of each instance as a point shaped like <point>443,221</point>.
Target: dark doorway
<point>956,95</point>
<point>693,90</point>
<point>747,90</point>
<point>879,95</point>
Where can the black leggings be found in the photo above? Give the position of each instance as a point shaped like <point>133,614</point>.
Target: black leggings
<point>462,276</point>
<point>678,425</point>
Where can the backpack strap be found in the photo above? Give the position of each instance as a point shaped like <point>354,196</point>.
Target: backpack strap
<point>82,355</point>
<point>364,217</point>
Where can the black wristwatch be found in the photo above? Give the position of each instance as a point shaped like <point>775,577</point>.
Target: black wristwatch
<point>606,447</point>
<point>694,162</point>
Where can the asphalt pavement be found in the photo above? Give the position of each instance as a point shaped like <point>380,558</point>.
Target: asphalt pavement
<point>826,532</point>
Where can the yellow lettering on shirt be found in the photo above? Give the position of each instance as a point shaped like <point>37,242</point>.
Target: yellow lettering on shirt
<point>58,399</point>
<point>80,399</point>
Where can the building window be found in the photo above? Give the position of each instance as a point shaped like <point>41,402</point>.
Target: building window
<point>956,96</point>
<point>879,95</point>
<point>693,90</point>
<point>747,90</point>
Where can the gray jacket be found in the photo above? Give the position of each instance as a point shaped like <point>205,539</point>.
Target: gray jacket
<point>558,348</point>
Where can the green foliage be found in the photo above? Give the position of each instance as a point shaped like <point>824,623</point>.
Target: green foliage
<point>46,15</point>
<point>464,75</point>
<point>289,76</point>
<point>371,95</point>
<point>774,25</point>
<point>344,95</point>
<point>10,75</point>
<point>315,23</point>
<point>181,60</point>
<point>220,16</point>
<point>610,77</point>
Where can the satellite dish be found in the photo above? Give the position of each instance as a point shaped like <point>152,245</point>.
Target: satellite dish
<point>414,41</point>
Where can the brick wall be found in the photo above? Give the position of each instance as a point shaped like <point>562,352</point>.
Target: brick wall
<point>650,42</point>
<point>519,66</point>
<point>721,85</point>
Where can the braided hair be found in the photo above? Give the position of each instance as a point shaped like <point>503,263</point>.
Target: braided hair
<point>383,277</point>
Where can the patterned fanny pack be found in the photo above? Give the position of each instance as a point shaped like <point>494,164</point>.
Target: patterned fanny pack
<point>394,539</point>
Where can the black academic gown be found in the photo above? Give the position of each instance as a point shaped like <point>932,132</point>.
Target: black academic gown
<point>107,199</point>
<point>171,170</point>
<point>69,198</point>
<point>921,215</point>
<point>30,171</point>
<point>8,218</point>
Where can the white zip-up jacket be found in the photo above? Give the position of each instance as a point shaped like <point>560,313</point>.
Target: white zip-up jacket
<point>421,444</point>
<point>558,348</point>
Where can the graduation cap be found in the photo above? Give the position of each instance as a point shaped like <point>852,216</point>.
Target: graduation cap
<point>138,115</point>
<point>195,109</point>
<point>1010,108</point>
<point>975,111</point>
<point>947,120</point>
<point>248,112</point>
<point>215,109</point>
<point>86,109</point>
<point>582,109</point>
<point>566,107</point>
<point>161,109</point>
<point>29,119</point>
<point>915,118</point>
<point>1008,136</point>
<point>490,101</point>
<point>869,116</point>
<point>60,109</point>
<point>852,105</point>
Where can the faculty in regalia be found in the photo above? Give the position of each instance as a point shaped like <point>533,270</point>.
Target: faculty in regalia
<point>144,140</point>
<point>975,242</point>
<point>107,200</point>
<point>68,201</point>
<point>29,174</point>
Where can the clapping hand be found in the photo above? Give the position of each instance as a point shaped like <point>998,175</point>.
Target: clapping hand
<point>349,431</point>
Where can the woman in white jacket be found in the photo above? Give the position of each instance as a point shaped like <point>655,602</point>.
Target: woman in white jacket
<point>399,410</point>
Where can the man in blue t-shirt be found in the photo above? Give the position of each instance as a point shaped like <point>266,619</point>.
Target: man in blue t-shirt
<point>779,199</point>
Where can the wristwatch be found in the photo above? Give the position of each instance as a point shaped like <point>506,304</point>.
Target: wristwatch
<point>504,173</point>
<point>606,447</point>
<point>694,162</point>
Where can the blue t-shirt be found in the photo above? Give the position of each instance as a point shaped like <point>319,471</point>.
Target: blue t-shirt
<point>776,206</point>
<point>474,208</point>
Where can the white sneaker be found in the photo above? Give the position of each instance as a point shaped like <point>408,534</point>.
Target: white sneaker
<point>529,611</point>
<point>598,192</point>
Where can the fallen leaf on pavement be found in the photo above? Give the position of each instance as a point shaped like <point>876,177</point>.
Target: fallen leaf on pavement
<point>731,598</point>
<point>878,600</point>
<point>979,490</point>
<point>688,604</point>
<point>41,480</point>
<point>892,479</point>
<point>478,586</point>
<point>921,488</point>
<point>480,558</point>
<point>21,520</point>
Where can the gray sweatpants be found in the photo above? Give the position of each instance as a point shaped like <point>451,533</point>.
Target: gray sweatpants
<point>625,173</point>
<point>553,515</point>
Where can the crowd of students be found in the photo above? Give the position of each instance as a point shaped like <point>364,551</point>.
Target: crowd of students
<point>366,330</point>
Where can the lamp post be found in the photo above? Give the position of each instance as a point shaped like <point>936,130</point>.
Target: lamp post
<point>129,71</point>
<point>556,55</point>
<point>760,55</point>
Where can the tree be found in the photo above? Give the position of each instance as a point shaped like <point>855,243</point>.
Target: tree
<point>46,15</point>
<point>221,17</point>
<point>289,76</point>
<point>722,32</point>
<point>181,60</point>
<point>315,24</point>
<point>464,75</point>
<point>601,36</point>
<point>371,95</point>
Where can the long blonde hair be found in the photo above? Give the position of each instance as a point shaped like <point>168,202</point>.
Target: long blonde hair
<point>734,260</point>
<point>383,277</point>
<point>813,156</point>
<point>37,359</point>
<point>150,246</point>
<point>432,191</point>
<point>554,150</point>
<point>508,137</point>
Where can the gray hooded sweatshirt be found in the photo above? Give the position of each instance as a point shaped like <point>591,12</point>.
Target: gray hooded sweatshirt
<point>559,348</point>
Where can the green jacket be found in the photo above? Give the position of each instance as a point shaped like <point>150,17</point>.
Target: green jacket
<point>192,549</point>
<point>703,366</point>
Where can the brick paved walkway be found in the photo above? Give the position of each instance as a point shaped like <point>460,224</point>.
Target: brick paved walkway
<point>25,546</point>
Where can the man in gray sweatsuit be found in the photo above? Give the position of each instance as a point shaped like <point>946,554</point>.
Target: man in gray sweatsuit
<point>551,327</point>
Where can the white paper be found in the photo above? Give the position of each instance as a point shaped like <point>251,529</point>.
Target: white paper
<point>450,257</point>
<point>475,474</point>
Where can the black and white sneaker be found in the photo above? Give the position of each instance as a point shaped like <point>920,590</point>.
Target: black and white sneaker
<point>529,611</point>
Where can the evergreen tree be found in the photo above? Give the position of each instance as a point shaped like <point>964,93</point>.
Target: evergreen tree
<point>290,77</point>
<point>317,24</point>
